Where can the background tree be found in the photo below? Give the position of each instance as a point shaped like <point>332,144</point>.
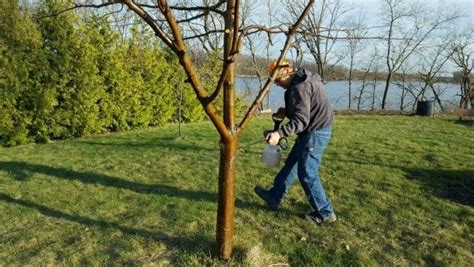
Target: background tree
<point>430,68</point>
<point>320,32</point>
<point>462,54</point>
<point>408,26</point>
<point>356,32</point>
<point>73,74</point>
<point>376,70</point>
<point>258,42</point>
<point>407,87</point>
<point>21,69</point>
<point>366,69</point>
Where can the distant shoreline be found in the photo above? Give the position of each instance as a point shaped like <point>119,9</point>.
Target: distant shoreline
<point>442,79</point>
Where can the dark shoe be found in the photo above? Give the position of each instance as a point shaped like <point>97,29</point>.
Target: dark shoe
<point>317,218</point>
<point>265,195</point>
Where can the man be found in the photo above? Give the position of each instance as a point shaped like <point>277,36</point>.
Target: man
<point>310,117</point>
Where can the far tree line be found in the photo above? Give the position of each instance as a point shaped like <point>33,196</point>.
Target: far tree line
<point>341,72</point>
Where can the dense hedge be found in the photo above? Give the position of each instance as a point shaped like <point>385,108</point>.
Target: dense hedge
<point>69,76</point>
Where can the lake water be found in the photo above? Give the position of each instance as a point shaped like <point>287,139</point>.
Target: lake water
<point>337,91</point>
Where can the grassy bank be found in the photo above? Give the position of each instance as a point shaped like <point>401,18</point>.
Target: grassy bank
<point>402,188</point>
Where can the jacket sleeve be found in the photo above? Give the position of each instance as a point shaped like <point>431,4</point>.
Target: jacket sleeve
<point>298,108</point>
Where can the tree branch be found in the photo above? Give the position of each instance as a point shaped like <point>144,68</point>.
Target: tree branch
<point>151,22</point>
<point>185,61</point>
<point>214,8</point>
<point>76,6</point>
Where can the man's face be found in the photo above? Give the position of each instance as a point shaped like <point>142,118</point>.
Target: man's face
<point>283,77</point>
<point>278,81</point>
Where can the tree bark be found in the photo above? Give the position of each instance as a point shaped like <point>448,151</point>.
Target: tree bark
<point>228,143</point>
<point>226,205</point>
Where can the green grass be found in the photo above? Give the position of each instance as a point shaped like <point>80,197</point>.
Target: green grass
<point>403,189</point>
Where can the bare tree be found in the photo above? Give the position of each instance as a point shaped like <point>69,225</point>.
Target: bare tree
<point>259,42</point>
<point>320,32</point>
<point>361,92</point>
<point>432,59</point>
<point>406,86</point>
<point>463,57</point>
<point>176,26</point>
<point>376,75</point>
<point>368,67</point>
<point>354,28</point>
<point>408,27</point>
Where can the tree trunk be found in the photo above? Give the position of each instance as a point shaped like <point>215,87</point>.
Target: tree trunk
<point>359,100</point>
<point>437,98</point>
<point>404,92</point>
<point>402,98</point>
<point>228,143</point>
<point>180,108</point>
<point>225,210</point>
<point>374,91</point>
<point>466,90</point>
<point>385,91</point>
<point>350,88</point>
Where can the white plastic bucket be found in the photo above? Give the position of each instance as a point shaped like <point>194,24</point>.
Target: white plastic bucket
<point>272,155</point>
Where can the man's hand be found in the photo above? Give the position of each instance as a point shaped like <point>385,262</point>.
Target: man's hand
<point>272,138</point>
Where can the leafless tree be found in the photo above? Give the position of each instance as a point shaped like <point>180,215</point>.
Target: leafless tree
<point>367,68</point>
<point>408,25</point>
<point>320,32</point>
<point>431,61</point>
<point>406,86</point>
<point>463,57</point>
<point>182,22</point>
<point>361,92</point>
<point>354,28</point>
<point>376,75</point>
<point>259,42</point>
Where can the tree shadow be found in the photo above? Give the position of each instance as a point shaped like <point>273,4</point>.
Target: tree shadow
<point>465,122</point>
<point>168,143</point>
<point>23,171</point>
<point>196,245</point>
<point>454,185</point>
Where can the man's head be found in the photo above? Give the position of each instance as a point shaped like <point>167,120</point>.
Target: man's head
<point>284,75</point>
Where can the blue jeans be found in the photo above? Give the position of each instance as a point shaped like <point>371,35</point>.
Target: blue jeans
<point>303,162</point>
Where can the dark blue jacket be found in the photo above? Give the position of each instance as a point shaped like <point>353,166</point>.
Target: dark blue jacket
<point>307,105</point>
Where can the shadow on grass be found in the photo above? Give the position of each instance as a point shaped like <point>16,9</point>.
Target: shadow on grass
<point>22,171</point>
<point>465,122</point>
<point>170,143</point>
<point>195,245</point>
<point>455,185</point>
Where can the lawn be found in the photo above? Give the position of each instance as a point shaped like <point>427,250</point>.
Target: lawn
<point>402,186</point>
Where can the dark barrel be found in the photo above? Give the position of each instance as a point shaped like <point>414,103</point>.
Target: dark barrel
<point>425,108</point>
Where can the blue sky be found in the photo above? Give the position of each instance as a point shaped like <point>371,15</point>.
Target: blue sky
<point>372,7</point>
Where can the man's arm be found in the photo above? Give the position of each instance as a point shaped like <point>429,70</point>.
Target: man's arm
<point>280,114</point>
<point>297,111</point>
